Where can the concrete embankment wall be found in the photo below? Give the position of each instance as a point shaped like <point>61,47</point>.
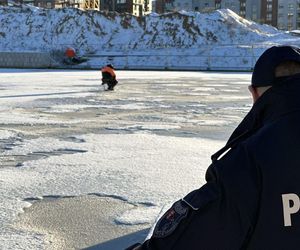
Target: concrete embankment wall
<point>25,60</point>
<point>242,59</point>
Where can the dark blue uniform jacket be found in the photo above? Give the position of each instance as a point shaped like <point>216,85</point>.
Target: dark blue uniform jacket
<point>241,206</point>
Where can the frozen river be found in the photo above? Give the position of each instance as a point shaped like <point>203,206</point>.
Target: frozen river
<point>147,143</point>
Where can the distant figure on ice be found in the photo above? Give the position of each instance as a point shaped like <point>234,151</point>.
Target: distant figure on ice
<point>109,76</point>
<point>252,196</point>
<point>72,58</point>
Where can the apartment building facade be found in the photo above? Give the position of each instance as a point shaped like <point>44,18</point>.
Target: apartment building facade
<point>198,5</point>
<point>204,5</point>
<point>135,7</point>
<point>269,10</point>
<point>288,15</point>
<point>187,5</point>
<point>283,14</point>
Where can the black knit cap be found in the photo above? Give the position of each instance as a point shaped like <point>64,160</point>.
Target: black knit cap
<point>264,69</point>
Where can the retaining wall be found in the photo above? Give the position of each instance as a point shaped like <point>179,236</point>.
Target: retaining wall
<point>25,60</point>
<point>218,58</point>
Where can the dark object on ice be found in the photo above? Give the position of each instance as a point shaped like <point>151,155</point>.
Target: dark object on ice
<point>109,76</point>
<point>74,60</point>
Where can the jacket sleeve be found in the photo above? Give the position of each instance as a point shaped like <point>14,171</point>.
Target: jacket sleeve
<point>219,215</point>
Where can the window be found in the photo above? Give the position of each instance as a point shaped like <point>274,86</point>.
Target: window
<point>269,17</point>
<point>269,7</point>
<point>121,1</point>
<point>291,6</point>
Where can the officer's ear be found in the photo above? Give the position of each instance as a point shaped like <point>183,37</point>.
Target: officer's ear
<point>254,92</point>
<point>257,92</point>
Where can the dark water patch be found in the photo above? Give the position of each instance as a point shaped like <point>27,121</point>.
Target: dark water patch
<point>54,197</point>
<point>19,160</point>
<point>74,139</point>
<point>61,151</point>
<point>10,143</point>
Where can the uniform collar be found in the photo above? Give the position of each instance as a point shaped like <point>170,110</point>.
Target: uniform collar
<point>273,104</point>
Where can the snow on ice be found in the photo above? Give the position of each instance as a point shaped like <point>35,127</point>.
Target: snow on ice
<point>150,141</point>
<point>144,154</point>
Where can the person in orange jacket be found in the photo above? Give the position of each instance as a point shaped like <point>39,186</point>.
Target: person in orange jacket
<point>72,58</point>
<point>109,76</point>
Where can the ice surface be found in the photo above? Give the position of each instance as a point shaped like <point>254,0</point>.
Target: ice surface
<point>148,142</point>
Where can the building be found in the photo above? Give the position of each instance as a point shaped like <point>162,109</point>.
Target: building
<point>234,5</point>
<point>135,7</point>
<point>253,10</point>
<point>178,5</point>
<point>269,10</point>
<point>205,5</point>
<point>249,9</point>
<point>47,4</point>
<point>238,6</point>
<point>107,5</point>
<point>67,4</point>
<point>283,14</point>
<point>288,15</point>
<point>153,7</point>
<point>88,4</point>
<point>169,5</point>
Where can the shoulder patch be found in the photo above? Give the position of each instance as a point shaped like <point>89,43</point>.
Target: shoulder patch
<point>170,220</point>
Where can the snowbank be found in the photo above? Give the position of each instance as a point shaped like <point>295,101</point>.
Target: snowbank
<point>173,40</point>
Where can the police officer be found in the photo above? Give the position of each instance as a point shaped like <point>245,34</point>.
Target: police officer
<point>251,198</point>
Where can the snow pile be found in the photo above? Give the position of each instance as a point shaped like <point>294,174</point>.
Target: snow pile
<point>35,29</point>
<point>93,33</point>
